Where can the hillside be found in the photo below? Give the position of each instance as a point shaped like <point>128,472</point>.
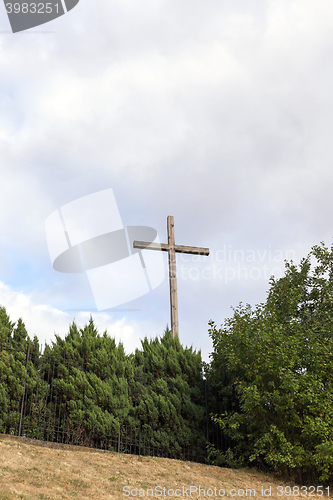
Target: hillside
<point>35,470</point>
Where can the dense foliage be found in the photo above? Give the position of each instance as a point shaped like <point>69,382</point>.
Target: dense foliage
<point>170,407</point>
<point>272,367</point>
<point>85,389</point>
<point>13,345</point>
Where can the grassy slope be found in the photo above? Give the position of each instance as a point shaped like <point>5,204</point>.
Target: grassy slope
<point>42,471</point>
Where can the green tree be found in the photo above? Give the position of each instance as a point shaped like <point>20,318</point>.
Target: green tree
<point>14,342</point>
<point>89,384</point>
<point>273,370</point>
<point>167,396</point>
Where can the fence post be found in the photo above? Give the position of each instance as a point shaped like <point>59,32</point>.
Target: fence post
<point>25,381</point>
<point>119,440</point>
<point>206,405</point>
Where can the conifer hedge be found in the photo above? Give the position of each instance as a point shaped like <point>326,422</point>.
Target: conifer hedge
<point>85,387</point>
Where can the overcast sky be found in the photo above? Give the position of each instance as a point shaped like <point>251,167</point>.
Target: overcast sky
<point>217,112</point>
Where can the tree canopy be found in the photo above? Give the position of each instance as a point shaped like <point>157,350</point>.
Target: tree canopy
<point>272,366</point>
<point>86,389</point>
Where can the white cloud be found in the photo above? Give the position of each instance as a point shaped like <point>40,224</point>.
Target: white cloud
<point>45,321</point>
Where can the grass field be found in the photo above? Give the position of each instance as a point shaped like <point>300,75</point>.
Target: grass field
<point>34,470</point>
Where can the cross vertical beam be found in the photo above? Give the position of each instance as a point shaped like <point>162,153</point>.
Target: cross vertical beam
<point>172,276</point>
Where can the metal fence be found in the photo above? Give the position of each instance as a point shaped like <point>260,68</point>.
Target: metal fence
<point>41,412</point>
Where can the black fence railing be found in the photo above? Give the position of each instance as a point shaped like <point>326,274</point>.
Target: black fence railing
<point>39,409</point>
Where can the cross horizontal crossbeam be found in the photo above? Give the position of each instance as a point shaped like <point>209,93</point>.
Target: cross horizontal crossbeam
<point>165,248</point>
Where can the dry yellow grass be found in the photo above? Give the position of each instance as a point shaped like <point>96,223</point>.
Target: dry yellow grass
<point>34,470</point>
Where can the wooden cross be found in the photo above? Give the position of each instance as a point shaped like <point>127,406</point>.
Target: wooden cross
<point>172,248</point>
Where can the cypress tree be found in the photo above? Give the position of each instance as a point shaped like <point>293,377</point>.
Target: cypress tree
<point>90,380</point>
<point>13,352</point>
<point>168,398</point>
